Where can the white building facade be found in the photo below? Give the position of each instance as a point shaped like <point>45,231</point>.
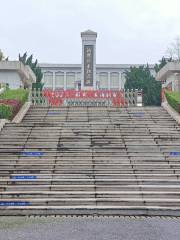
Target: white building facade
<point>88,75</point>
<point>16,75</point>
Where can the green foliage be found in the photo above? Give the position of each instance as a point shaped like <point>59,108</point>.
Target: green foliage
<point>37,85</point>
<point>5,111</point>
<point>162,63</point>
<point>33,65</point>
<point>141,78</point>
<point>1,55</point>
<point>173,99</point>
<point>17,94</point>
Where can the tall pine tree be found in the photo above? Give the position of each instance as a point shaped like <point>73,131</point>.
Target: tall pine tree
<point>141,78</point>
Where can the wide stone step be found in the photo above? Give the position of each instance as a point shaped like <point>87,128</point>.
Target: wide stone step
<point>101,181</point>
<point>91,210</point>
<point>89,194</point>
<point>86,172</point>
<point>91,187</point>
<point>93,175</point>
<point>98,202</point>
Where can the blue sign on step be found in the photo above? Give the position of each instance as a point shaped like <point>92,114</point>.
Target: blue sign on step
<point>11,203</point>
<point>53,113</point>
<point>174,153</point>
<point>23,177</point>
<point>139,114</point>
<point>32,154</point>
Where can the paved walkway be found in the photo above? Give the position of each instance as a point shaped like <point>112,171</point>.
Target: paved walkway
<point>88,228</point>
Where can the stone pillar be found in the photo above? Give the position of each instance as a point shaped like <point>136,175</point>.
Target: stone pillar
<point>139,98</point>
<point>109,80</point>
<point>65,84</point>
<point>88,79</point>
<point>177,82</point>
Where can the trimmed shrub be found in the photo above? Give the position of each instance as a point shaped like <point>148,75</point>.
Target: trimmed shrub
<point>173,99</point>
<point>5,111</point>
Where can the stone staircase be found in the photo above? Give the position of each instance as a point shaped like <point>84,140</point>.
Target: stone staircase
<point>91,160</point>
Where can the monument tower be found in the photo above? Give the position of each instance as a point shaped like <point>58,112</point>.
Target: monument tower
<point>88,78</point>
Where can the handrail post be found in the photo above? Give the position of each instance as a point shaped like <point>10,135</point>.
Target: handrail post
<point>139,98</point>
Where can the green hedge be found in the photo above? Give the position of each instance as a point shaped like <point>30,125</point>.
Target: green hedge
<point>5,111</point>
<point>173,99</point>
<point>17,94</point>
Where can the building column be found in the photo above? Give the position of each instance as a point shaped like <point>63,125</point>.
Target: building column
<point>109,80</point>
<point>120,81</point>
<point>97,81</point>
<point>65,82</point>
<point>54,81</point>
<point>76,82</point>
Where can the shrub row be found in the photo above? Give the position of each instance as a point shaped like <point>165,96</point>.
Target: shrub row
<point>5,111</point>
<point>15,94</point>
<point>11,102</point>
<point>173,99</point>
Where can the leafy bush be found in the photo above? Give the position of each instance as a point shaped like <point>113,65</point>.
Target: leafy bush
<point>5,111</point>
<point>16,94</point>
<point>173,99</point>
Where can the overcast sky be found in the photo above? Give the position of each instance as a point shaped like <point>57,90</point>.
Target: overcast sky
<point>129,31</point>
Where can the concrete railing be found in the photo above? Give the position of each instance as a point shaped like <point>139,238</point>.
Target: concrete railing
<point>22,112</point>
<point>169,68</point>
<point>2,90</point>
<point>2,123</point>
<point>175,115</point>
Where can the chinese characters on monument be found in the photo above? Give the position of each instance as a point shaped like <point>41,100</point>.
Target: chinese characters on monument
<point>88,65</point>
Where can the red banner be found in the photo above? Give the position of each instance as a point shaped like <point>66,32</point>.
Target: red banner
<point>57,97</point>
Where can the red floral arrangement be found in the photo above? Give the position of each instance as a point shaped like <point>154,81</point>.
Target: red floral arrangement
<point>14,104</point>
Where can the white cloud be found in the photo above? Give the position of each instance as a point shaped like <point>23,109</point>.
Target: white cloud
<point>128,31</point>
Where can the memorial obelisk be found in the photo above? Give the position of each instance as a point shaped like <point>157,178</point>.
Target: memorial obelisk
<point>88,78</point>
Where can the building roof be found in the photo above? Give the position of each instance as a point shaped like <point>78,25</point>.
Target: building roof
<point>88,32</point>
<point>100,66</point>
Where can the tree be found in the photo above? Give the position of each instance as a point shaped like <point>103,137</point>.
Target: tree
<point>23,58</point>
<point>35,68</point>
<point>141,78</point>
<point>1,55</point>
<point>162,63</point>
<point>173,51</point>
